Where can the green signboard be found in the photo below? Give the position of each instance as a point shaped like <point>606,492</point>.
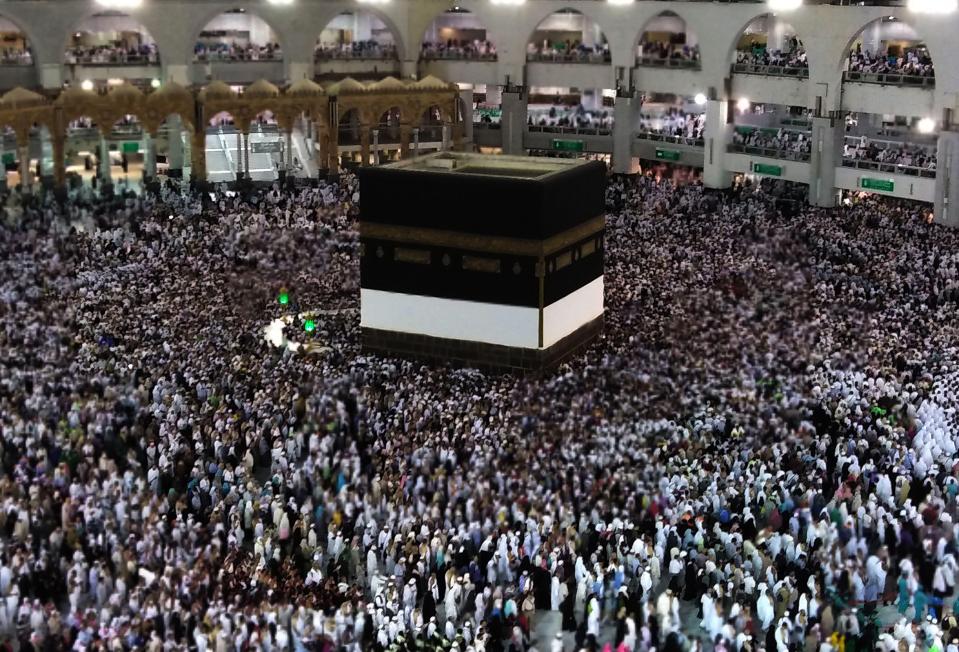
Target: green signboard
<point>885,185</point>
<point>667,154</point>
<point>131,147</point>
<point>8,158</point>
<point>568,145</point>
<point>768,170</point>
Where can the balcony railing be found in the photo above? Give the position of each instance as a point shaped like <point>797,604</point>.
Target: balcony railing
<point>888,79</point>
<point>669,138</point>
<point>769,152</point>
<point>771,71</point>
<point>362,55</point>
<point>456,56</point>
<point>564,57</point>
<point>660,62</point>
<point>890,168</point>
<point>579,131</point>
<point>237,57</point>
<point>114,60</point>
<point>490,126</point>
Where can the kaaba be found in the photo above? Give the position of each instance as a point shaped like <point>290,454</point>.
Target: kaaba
<point>494,262</point>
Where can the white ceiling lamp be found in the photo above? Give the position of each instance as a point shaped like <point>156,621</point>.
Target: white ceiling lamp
<point>783,5</point>
<point>743,105</point>
<point>932,6</point>
<point>86,85</point>
<point>700,99</point>
<point>280,3</point>
<point>507,2</point>
<point>155,83</point>
<point>620,2</point>
<point>926,125</point>
<point>373,2</point>
<point>120,4</point>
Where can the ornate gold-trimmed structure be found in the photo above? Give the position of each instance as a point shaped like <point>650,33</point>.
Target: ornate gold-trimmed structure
<point>23,110</point>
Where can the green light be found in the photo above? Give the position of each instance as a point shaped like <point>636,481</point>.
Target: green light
<point>309,325</point>
<point>284,298</point>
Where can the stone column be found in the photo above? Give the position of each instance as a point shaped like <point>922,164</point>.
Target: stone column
<point>23,154</point>
<point>246,154</point>
<point>364,145</point>
<point>288,163</point>
<point>105,172</point>
<point>175,146</point>
<point>514,119</point>
<point>466,101</point>
<point>825,155</point>
<point>718,131</point>
<point>408,69</point>
<point>59,160</point>
<point>376,147</point>
<point>406,135</point>
<point>625,121</point>
<point>947,179</point>
<point>149,158</point>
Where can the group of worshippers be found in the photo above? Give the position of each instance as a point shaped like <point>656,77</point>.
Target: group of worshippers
<point>578,116</point>
<point>779,139</point>
<point>661,50</point>
<point>369,49</point>
<point>118,52</point>
<point>568,50</point>
<point>233,51</point>
<point>758,454</point>
<point>673,121</point>
<point>792,57</point>
<point>904,154</point>
<point>911,61</point>
<point>458,49</point>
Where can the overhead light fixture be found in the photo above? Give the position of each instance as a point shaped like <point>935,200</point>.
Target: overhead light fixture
<point>155,83</point>
<point>280,2</point>
<point>700,99</point>
<point>932,6</point>
<point>742,104</point>
<point>926,125</point>
<point>120,4</point>
<point>373,2</point>
<point>620,2</point>
<point>86,85</point>
<point>783,5</point>
<point>507,2</point>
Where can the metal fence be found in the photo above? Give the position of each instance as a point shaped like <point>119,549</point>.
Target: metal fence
<point>579,131</point>
<point>565,57</point>
<point>890,168</point>
<point>770,71</point>
<point>456,56</point>
<point>659,62</point>
<point>769,152</point>
<point>668,138</point>
<point>888,78</point>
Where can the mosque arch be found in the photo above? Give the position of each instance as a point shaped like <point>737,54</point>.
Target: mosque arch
<point>765,31</point>
<point>461,28</point>
<point>886,34</point>
<point>239,27</point>
<point>111,37</point>
<point>355,27</point>
<point>666,31</point>
<point>566,28</point>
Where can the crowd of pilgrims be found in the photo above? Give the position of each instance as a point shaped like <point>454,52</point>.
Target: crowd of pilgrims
<point>568,50</point>
<point>458,49</point>
<point>676,51</point>
<point>112,53</point>
<point>674,121</point>
<point>577,116</point>
<point>222,51</point>
<point>782,140</point>
<point>759,453</point>
<point>792,58</point>
<point>370,49</point>
<point>914,62</point>
<point>905,154</point>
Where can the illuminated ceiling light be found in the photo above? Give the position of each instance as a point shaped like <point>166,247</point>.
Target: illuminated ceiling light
<point>700,99</point>
<point>620,2</point>
<point>373,2</point>
<point>86,85</point>
<point>280,2</point>
<point>120,4</point>
<point>155,83</point>
<point>932,6</point>
<point>926,125</point>
<point>743,104</point>
<point>783,5</point>
<point>507,2</point>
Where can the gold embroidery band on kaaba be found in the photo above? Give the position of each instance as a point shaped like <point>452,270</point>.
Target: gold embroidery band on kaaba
<point>490,244</point>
